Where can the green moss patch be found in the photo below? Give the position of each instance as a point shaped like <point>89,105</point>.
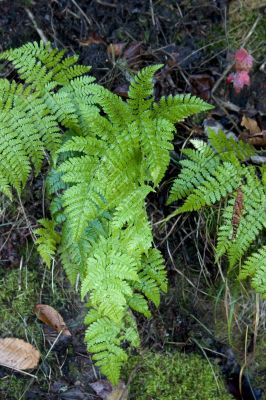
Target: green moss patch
<point>175,376</point>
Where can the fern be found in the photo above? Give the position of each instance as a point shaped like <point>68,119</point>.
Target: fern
<point>47,241</point>
<point>214,172</point>
<point>255,267</point>
<point>111,155</point>
<point>30,111</point>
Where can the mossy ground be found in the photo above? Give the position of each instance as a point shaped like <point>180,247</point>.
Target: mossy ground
<point>175,376</point>
<point>21,289</point>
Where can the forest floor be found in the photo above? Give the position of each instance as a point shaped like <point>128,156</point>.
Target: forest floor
<point>196,41</point>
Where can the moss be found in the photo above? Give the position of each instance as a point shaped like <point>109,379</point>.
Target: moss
<point>20,291</point>
<point>175,376</point>
<point>18,296</point>
<point>258,368</point>
<point>13,387</point>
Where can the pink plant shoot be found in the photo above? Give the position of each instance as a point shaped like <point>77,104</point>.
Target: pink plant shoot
<point>243,60</point>
<point>243,65</point>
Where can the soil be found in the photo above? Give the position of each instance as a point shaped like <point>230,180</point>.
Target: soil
<point>192,40</point>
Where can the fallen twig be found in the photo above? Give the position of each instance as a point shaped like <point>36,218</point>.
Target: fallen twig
<point>34,23</point>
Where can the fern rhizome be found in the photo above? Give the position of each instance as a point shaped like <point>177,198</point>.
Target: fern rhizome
<point>106,156</point>
<point>217,172</point>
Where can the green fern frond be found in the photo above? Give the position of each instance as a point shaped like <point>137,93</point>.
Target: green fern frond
<point>228,148</point>
<point>131,207</point>
<point>255,267</point>
<point>253,220</point>
<point>153,267</point>
<point>4,187</point>
<point>82,204</point>
<point>141,88</point>
<point>223,181</point>
<point>104,338</point>
<point>177,108</point>
<point>47,240</point>
<point>38,64</point>
<point>156,143</point>
<point>109,270</point>
<point>199,165</point>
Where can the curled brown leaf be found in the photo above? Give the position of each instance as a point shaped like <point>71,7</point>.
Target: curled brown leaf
<point>51,317</point>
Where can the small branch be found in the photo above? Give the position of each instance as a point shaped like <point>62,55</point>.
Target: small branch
<point>82,12</point>
<point>34,23</point>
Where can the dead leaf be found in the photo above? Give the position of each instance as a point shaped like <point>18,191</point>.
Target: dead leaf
<point>202,85</point>
<point>51,317</point>
<point>133,51</point>
<point>258,139</point>
<point>122,90</point>
<point>250,124</point>
<point>18,354</point>
<point>106,391</point>
<point>115,49</point>
<point>94,38</point>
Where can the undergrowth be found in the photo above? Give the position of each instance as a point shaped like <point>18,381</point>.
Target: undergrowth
<point>111,155</point>
<point>218,172</point>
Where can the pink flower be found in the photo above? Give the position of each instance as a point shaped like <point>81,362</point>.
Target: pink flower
<point>243,60</point>
<point>239,80</point>
<point>243,65</point>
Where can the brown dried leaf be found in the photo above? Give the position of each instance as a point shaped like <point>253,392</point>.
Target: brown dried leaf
<point>133,50</point>
<point>238,209</point>
<point>122,90</point>
<point>18,354</point>
<point>106,391</point>
<point>202,85</point>
<point>94,38</point>
<point>250,124</point>
<point>51,317</point>
<point>115,49</point>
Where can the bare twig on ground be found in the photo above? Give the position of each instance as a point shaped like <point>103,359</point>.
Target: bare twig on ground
<point>37,28</point>
<point>82,12</point>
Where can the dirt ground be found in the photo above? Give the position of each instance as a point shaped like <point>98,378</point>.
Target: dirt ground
<point>195,40</point>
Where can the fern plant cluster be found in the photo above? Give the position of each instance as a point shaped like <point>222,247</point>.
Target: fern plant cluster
<point>218,172</point>
<point>106,156</point>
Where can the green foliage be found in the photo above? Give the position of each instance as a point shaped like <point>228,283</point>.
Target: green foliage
<point>118,158</point>
<point>19,294</point>
<point>29,110</point>
<point>255,267</point>
<point>175,376</point>
<point>47,240</point>
<point>215,172</point>
<point>112,155</point>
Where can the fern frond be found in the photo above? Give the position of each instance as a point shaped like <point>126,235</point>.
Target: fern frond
<point>156,143</point>
<point>131,207</point>
<point>82,204</point>
<point>38,64</point>
<point>177,108</point>
<point>195,169</point>
<point>228,148</point>
<point>255,267</point>
<point>4,187</point>
<point>140,92</point>
<point>212,173</point>
<point>104,338</point>
<point>253,219</point>
<point>223,181</point>
<point>109,270</point>
<point>47,240</point>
